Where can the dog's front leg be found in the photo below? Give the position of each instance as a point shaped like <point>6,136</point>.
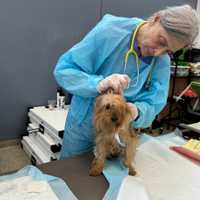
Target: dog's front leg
<point>99,160</point>
<point>130,155</point>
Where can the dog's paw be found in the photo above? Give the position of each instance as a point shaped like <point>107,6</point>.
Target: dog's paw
<point>132,172</point>
<point>96,167</point>
<point>94,171</point>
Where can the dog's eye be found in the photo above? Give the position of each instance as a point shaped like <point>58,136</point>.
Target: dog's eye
<point>107,106</point>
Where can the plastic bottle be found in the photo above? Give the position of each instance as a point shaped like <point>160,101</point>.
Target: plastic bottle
<point>60,98</point>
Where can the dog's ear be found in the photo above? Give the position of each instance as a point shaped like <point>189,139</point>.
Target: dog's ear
<point>128,112</point>
<point>97,102</point>
<point>108,91</point>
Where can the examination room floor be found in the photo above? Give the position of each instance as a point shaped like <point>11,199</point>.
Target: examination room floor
<point>12,157</point>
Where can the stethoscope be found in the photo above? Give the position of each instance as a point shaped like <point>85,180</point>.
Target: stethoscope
<point>132,51</point>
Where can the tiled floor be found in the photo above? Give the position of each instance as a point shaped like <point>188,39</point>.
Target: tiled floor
<point>12,158</point>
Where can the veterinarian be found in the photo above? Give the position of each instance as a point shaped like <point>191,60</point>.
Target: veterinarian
<point>129,55</point>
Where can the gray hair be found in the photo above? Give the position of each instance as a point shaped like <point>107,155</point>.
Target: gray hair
<point>180,21</point>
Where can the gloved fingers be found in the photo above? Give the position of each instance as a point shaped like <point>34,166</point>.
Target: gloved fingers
<point>134,110</point>
<point>103,85</point>
<point>118,82</point>
<point>124,81</point>
<point>126,77</point>
<point>115,85</point>
<point>128,80</point>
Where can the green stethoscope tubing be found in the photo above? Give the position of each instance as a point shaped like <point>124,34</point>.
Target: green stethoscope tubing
<point>131,51</point>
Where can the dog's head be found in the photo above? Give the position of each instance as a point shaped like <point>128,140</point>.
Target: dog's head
<point>111,112</point>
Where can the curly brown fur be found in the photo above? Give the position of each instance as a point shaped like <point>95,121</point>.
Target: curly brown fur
<point>111,116</point>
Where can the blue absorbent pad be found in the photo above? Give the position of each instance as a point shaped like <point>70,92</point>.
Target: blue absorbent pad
<point>59,187</point>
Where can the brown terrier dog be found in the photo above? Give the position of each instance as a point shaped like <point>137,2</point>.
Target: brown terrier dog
<point>114,135</point>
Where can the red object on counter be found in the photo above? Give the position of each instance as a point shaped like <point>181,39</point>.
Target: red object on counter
<point>186,152</point>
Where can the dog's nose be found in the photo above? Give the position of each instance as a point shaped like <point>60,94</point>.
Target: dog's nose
<point>107,106</point>
<point>114,118</point>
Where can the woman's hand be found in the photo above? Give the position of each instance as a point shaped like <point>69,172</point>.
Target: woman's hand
<point>134,110</point>
<point>118,82</point>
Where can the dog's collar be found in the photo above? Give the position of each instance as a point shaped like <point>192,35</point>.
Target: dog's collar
<point>119,141</point>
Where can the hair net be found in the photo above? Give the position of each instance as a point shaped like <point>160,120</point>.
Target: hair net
<point>181,21</point>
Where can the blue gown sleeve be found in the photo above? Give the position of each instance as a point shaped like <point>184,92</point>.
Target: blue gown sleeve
<point>76,69</point>
<point>151,101</point>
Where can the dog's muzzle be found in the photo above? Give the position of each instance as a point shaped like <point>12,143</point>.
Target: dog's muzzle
<point>114,118</point>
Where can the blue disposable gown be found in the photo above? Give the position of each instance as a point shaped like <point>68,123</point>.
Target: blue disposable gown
<point>100,54</point>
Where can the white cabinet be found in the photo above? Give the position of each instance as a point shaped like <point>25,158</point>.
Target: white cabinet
<point>45,133</point>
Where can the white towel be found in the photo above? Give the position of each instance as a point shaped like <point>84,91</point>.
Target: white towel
<point>24,188</point>
<point>164,175</point>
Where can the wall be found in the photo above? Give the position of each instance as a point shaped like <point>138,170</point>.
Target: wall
<point>140,8</point>
<point>34,34</point>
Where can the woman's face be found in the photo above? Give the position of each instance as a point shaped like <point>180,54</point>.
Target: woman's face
<point>155,40</point>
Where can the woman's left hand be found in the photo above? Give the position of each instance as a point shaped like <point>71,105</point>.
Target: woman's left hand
<point>134,110</point>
